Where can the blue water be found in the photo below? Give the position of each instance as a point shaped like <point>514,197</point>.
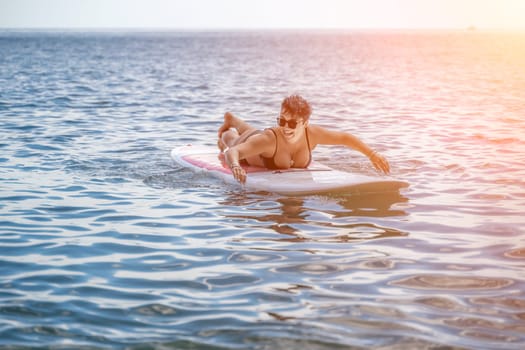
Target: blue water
<point>105,243</point>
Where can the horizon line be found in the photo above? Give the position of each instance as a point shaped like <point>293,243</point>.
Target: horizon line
<point>470,28</point>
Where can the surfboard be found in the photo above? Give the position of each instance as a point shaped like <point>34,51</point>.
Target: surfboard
<point>316,179</point>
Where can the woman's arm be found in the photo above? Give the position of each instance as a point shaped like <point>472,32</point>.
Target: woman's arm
<point>262,144</point>
<point>323,136</point>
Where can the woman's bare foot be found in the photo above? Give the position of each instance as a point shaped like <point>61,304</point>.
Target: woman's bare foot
<point>226,125</point>
<point>221,145</point>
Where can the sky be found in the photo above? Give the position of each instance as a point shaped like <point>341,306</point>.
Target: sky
<point>260,14</point>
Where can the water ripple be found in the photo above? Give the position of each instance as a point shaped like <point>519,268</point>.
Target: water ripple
<point>453,282</point>
<point>105,243</point>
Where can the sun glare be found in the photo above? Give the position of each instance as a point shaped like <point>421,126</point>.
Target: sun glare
<point>210,14</point>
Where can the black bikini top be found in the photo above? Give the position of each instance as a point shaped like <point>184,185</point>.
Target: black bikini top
<point>269,162</point>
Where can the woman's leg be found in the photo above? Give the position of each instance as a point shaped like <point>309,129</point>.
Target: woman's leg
<point>228,139</point>
<point>233,131</point>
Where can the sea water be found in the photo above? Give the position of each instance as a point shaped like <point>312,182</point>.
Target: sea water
<point>106,243</point>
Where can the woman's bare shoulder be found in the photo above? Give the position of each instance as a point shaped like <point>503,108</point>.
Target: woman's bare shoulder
<point>271,132</point>
<point>263,141</point>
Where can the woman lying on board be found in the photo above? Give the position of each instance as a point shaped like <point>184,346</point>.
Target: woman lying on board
<point>287,145</point>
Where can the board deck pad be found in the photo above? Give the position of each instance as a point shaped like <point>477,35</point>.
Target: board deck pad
<point>316,179</point>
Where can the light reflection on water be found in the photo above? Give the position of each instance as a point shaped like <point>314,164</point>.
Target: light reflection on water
<point>105,242</point>
<point>324,219</point>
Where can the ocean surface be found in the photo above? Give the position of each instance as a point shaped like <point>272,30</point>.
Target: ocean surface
<point>105,243</point>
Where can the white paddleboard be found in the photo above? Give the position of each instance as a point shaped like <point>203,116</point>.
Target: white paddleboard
<point>316,179</point>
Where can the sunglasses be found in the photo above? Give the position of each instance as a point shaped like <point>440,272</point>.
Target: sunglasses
<point>292,123</point>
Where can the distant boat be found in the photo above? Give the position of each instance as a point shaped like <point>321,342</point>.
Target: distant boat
<point>471,28</point>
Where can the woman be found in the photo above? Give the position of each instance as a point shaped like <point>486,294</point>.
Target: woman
<point>289,145</point>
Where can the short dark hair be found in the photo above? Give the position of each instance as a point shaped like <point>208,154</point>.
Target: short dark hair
<point>297,106</point>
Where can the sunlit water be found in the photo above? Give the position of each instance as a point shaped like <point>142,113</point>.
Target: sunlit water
<point>105,243</point>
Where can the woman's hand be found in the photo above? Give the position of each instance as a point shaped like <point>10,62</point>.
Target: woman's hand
<point>379,162</point>
<point>238,173</point>
<point>232,159</point>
